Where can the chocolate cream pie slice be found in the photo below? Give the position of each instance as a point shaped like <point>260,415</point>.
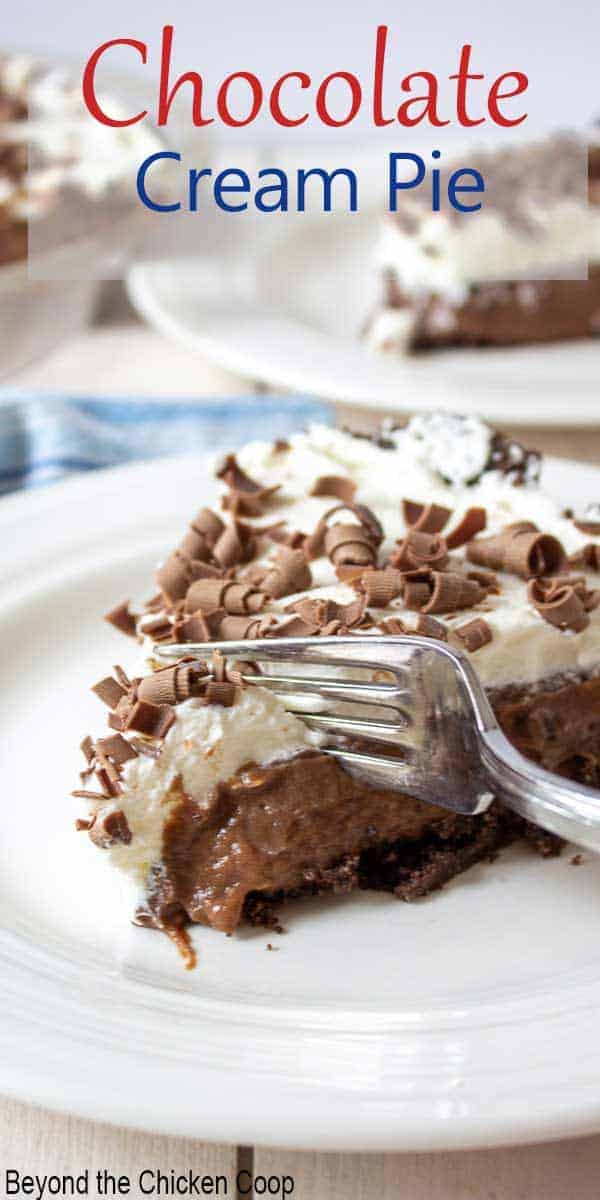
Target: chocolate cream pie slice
<point>506,275</point>
<point>218,802</point>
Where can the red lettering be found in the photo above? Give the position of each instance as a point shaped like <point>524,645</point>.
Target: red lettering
<point>89,82</point>
<point>495,96</point>
<point>429,101</point>
<point>166,97</point>
<point>275,100</point>
<point>223,103</point>
<point>463,78</point>
<point>321,100</point>
<point>378,77</point>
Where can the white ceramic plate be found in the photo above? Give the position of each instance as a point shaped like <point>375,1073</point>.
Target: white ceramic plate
<point>291,317</point>
<point>468,1019</point>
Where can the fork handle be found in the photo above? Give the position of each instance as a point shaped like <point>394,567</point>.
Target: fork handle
<point>568,809</point>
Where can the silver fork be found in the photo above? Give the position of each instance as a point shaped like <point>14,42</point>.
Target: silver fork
<point>449,748</point>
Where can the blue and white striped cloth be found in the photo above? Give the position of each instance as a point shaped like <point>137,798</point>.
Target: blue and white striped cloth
<point>43,439</point>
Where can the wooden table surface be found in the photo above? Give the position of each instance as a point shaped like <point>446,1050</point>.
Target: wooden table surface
<point>132,360</point>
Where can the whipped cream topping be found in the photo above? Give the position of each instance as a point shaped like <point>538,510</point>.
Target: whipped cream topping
<point>524,648</point>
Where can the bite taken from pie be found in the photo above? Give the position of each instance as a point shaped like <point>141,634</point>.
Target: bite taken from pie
<point>218,802</point>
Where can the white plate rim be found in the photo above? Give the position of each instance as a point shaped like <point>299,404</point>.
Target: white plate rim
<point>374,1084</point>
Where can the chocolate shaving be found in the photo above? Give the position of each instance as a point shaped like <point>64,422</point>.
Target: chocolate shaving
<point>235,544</point>
<point>425,518</point>
<point>393,626</point>
<point>474,634</point>
<point>177,573</point>
<point>319,613</point>
<point>109,691</point>
<point>84,794</point>
<point>110,829</point>
<point>470,524</point>
<point>117,749</point>
<point>201,626</point>
<point>122,618</point>
<point>87,748</point>
<point>246,496</point>
<point>350,544</point>
<point>380,587</point>
<point>339,486</point>
<point>288,573</point>
<point>451,592</point>
<point>172,685</point>
<point>559,604</point>
<point>440,591</point>
<point>237,629</point>
<point>153,720</point>
<point>220,692</point>
<point>512,459</point>
<point>204,530</point>
<point>519,549</point>
<point>419,549</point>
<point>429,627</point>
<point>206,595</point>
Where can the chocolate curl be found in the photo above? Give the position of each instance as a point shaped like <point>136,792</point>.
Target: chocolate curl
<point>235,544</point>
<point>205,528</point>
<point>319,613</point>
<point>177,573</point>
<point>417,589</point>
<point>452,592</point>
<point>560,606</point>
<point>472,523</point>
<point>172,685</point>
<point>380,587</point>
<point>520,549</point>
<point>474,634</point>
<point>110,829</point>
<point>220,692</point>
<point>350,544</point>
<point>289,573</point>
<point>429,627</point>
<point>246,496</point>
<point>206,595</point>
<point>237,629</point>
<point>393,626</point>
<point>152,720</point>
<point>420,550</point>
<point>159,629</point>
<point>200,627</point>
<point>117,749</point>
<point>339,486</point>
<point>425,518</point>
<point>122,618</point>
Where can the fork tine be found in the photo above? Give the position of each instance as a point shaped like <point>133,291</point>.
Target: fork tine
<point>391,773</point>
<point>324,651</point>
<point>386,695</point>
<point>381,731</point>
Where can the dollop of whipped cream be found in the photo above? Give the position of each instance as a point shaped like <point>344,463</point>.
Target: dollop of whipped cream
<point>456,447</point>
